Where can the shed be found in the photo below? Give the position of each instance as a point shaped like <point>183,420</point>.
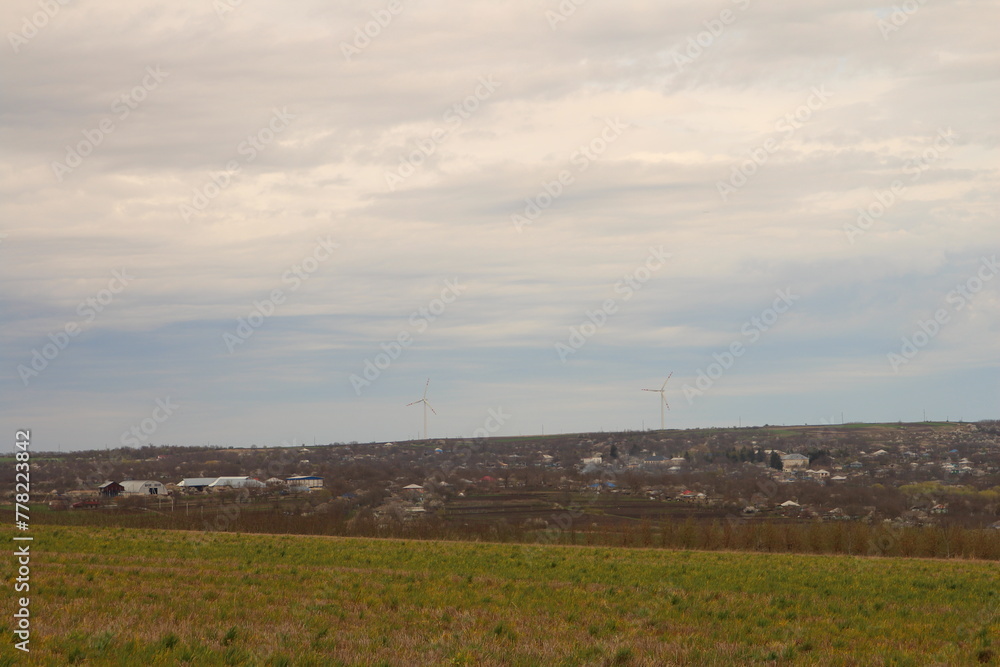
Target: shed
<point>308,481</point>
<point>143,487</point>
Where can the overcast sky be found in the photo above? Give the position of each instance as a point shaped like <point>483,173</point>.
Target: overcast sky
<point>216,216</point>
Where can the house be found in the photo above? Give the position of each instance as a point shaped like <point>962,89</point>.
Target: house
<point>110,489</point>
<point>413,491</point>
<point>820,474</point>
<point>794,461</point>
<point>789,504</point>
<point>838,478</point>
<point>308,481</point>
<point>196,483</point>
<point>143,487</point>
<point>655,460</point>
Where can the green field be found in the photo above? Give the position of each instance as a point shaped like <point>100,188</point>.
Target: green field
<point>115,596</point>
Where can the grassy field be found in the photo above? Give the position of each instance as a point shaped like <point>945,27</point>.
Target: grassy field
<point>116,596</point>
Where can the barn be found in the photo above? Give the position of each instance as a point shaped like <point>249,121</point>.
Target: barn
<point>110,489</point>
<point>143,487</point>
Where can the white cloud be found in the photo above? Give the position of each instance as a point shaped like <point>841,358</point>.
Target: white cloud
<point>655,184</point>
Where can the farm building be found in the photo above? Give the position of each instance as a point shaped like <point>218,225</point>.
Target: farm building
<point>308,481</point>
<point>143,487</point>
<point>793,461</point>
<point>110,489</point>
<point>196,483</point>
<point>236,483</point>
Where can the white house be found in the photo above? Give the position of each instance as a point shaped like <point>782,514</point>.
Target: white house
<point>143,487</point>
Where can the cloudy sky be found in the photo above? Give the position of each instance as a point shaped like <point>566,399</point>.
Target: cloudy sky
<point>242,222</point>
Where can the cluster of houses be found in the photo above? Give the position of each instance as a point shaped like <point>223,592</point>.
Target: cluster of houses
<point>148,487</point>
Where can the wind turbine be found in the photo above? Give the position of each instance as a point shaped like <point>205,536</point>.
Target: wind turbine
<point>663,398</point>
<point>426,405</point>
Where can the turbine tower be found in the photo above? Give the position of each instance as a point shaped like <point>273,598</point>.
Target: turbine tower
<point>663,398</point>
<point>426,405</point>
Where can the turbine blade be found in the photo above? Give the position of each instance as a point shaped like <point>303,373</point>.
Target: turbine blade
<point>665,402</point>
<point>430,406</point>
<point>426,386</point>
<point>415,402</point>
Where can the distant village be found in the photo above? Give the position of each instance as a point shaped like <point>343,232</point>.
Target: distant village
<point>910,474</point>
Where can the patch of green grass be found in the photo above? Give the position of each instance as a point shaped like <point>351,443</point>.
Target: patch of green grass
<point>234,599</point>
